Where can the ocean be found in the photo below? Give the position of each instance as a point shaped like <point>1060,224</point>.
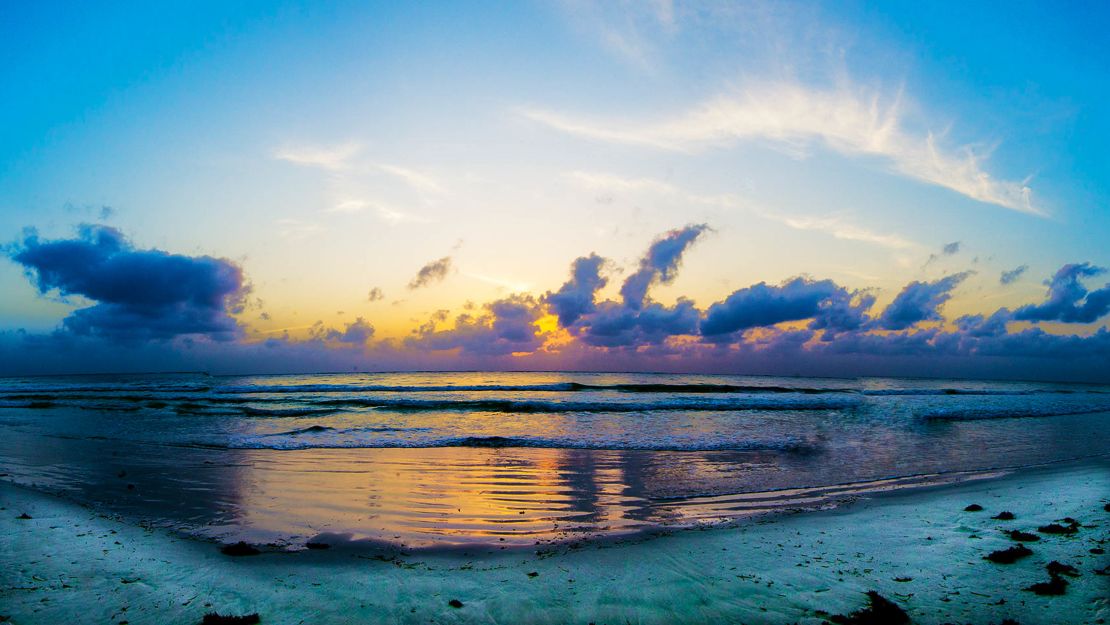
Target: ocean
<point>429,460</point>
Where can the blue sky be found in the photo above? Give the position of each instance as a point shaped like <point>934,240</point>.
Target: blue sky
<point>329,151</point>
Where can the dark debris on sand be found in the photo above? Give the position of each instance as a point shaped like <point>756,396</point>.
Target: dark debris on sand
<point>1055,568</point>
<point>239,549</point>
<point>1052,588</point>
<point>1009,556</point>
<point>880,611</point>
<point>1021,536</point>
<point>455,603</point>
<point>1056,528</point>
<point>974,508</point>
<point>1005,515</point>
<point>212,618</point>
<point>24,517</point>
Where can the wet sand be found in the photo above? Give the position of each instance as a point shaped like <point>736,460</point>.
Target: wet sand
<point>918,548</point>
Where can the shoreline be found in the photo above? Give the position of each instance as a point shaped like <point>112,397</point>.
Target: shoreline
<point>698,512</point>
<point>826,559</point>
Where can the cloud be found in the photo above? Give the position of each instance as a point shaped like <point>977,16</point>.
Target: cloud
<point>348,206</point>
<point>333,158</point>
<point>435,271</point>
<point>832,225</point>
<point>948,249</point>
<point>139,294</point>
<point>598,181</point>
<point>152,310</point>
<point>985,326</point>
<point>848,119</point>
<point>617,325</point>
<point>920,301</point>
<point>627,30</point>
<point>1068,300</point>
<point>507,326</point>
<point>376,294</point>
<point>501,283</point>
<point>842,230</point>
<point>297,230</point>
<point>576,297</point>
<point>830,306</point>
<point>660,264</point>
<point>418,180</point>
<point>1011,276</point>
<point>358,332</point>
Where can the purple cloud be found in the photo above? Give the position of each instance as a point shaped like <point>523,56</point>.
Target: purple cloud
<point>660,264</point>
<point>920,301</point>
<point>576,297</point>
<point>140,294</point>
<point>1068,300</point>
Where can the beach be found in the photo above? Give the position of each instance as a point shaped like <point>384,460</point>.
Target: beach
<point>550,498</point>
<point>918,548</point>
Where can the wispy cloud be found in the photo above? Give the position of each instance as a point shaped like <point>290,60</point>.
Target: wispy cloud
<point>393,216</point>
<point>512,286</point>
<point>847,119</point>
<point>833,225</point>
<point>840,229</point>
<point>296,229</point>
<point>628,30</point>
<point>385,213</point>
<point>434,271</point>
<point>836,226</point>
<point>418,180</point>
<point>609,182</point>
<point>348,206</point>
<point>333,158</point>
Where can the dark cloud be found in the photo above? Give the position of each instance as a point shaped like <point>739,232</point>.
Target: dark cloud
<point>375,295</point>
<point>979,326</point>
<point>616,325</point>
<point>948,249</point>
<point>920,301</point>
<point>506,326</point>
<point>1068,300</point>
<point>660,264</point>
<point>831,307</point>
<point>358,332</point>
<point>189,302</point>
<point>139,294</point>
<point>635,321</point>
<point>1009,277</point>
<point>576,297</point>
<point>435,271</point>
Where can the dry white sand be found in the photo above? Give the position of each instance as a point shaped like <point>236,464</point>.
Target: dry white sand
<point>69,565</point>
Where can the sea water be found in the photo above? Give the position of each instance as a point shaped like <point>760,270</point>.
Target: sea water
<point>433,459</point>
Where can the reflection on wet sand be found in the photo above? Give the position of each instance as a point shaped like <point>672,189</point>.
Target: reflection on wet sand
<point>412,498</point>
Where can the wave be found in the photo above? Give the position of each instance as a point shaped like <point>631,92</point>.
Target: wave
<point>251,411</point>
<point>974,392</point>
<point>536,406</point>
<point>979,414</point>
<point>363,438</point>
<point>559,387</point>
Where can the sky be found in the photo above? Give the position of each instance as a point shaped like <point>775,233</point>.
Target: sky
<point>760,187</point>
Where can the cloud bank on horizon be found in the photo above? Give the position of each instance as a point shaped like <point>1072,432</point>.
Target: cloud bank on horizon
<point>145,302</point>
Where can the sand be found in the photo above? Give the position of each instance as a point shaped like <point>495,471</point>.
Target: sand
<point>918,548</point>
